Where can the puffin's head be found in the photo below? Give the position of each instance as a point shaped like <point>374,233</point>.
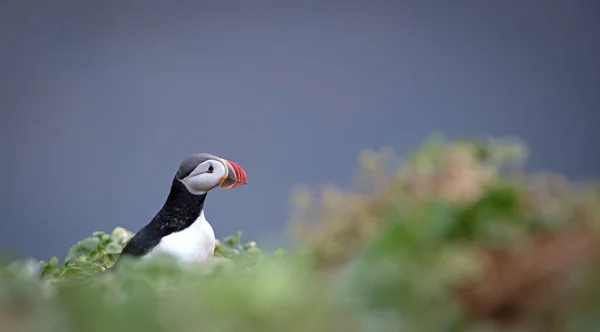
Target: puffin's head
<point>203,171</point>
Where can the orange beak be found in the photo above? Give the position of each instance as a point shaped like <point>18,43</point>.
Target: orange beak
<point>236,176</point>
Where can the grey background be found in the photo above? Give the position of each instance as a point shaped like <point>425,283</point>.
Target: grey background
<point>101,100</point>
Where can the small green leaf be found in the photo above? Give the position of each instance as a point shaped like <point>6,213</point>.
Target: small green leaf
<point>98,234</point>
<point>89,243</point>
<point>249,245</point>
<point>121,235</point>
<point>113,248</point>
<point>53,262</point>
<point>232,240</point>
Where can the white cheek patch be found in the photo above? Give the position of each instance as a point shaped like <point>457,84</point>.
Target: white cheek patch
<point>200,181</point>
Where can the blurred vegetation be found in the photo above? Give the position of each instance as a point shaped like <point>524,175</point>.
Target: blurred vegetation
<point>454,236</point>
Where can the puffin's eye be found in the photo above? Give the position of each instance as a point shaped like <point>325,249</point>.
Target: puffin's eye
<point>210,169</point>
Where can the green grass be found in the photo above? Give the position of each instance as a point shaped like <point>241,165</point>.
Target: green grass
<point>451,237</point>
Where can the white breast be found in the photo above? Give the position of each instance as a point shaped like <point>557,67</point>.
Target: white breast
<point>193,244</point>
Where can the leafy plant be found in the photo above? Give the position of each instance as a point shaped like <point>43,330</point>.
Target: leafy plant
<point>453,236</point>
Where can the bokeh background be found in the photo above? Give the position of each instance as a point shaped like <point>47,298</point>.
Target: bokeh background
<point>101,100</point>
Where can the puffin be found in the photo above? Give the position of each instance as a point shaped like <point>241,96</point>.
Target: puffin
<point>180,228</point>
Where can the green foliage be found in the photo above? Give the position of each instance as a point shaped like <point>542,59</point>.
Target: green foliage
<point>451,237</point>
<point>88,256</point>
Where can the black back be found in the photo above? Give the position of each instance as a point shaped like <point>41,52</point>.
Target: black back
<point>180,211</point>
